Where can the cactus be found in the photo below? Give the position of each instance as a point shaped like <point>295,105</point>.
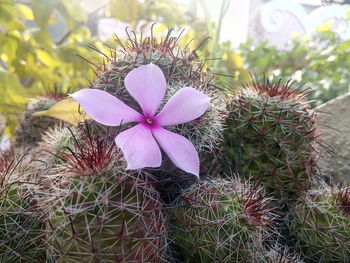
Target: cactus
<point>101,212</point>
<point>29,130</point>
<point>219,220</point>
<point>321,224</point>
<point>271,136</point>
<point>54,140</point>
<point>22,227</point>
<point>181,68</point>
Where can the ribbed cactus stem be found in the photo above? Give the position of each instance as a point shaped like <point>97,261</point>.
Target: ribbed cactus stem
<point>272,137</point>
<point>321,224</point>
<point>221,220</point>
<point>101,211</point>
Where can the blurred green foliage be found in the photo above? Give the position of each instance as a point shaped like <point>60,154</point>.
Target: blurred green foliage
<point>321,61</point>
<point>31,62</point>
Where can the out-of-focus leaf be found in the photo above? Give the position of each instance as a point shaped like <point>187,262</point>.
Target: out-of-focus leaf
<point>8,13</point>
<point>343,46</point>
<point>80,35</point>
<point>25,52</point>
<point>160,28</point>
<point>42,10</point>
<point>49,59</point>
<point>9,48</point>
<point>45,75</point>
<point>189,40</point>
<point>75,10</point>
<point>24,12</point>
<point>68,53</point>
<point>170,11</point>
<point>233,60</point>
<point>67,110</point>
<point>43,38</point>
<point>72,12</point>
<point>12,99</point>
<point>325,26</point>
<point>243,75</point>
<point>11,89</point>
<point>126,11</point>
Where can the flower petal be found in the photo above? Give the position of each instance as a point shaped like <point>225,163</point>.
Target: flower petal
<point>147,85</point>
<point>180,150</point>
<point>139,147</point>
<point>186,105</point>
<point>105,108</point>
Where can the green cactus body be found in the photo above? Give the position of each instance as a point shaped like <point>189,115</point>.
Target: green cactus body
<point>181,68</point>
<point>99,211</point>
<point>322,225</point>
<point>22,229</point>
<point>111,217</point>
<point>29,130</point>
<point>271,136</point>
<point>22,221</point>
<point>219,221</point>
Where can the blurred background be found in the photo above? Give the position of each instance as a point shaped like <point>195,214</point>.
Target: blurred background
<point>42,42</point>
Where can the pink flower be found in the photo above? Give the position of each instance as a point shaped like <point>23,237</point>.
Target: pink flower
<point>141,143</point>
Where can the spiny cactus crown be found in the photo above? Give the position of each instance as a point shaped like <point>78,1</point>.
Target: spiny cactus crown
<point>181,68</point>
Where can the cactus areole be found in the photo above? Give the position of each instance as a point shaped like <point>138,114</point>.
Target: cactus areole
<point>141,144</point>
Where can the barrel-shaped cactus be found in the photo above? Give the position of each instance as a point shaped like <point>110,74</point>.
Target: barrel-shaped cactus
<point>22,219</point>
<point>101,212</point>
<point>220,220</point>
<point>109,217</point>
<point>181,68</point>
<point>29,129</point>
<point>322,225</point>
<point>271,136</point>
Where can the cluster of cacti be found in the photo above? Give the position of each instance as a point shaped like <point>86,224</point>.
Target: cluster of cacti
<point>74,200</point>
